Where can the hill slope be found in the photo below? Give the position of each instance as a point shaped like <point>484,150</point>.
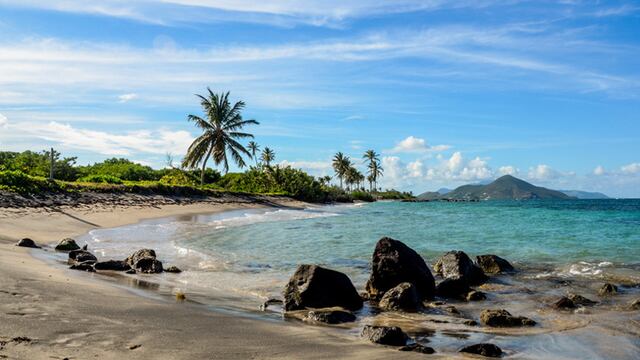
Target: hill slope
<point>585,194</point>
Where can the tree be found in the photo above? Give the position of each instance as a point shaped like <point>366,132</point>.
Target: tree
<point>353,176</point>
<point>220,131</point>
<point>375,170</point>
<point>341,164</point>
<point>373,160</point>
<point>268,156</point>
<point>254,148</point>
<point>325,180</point>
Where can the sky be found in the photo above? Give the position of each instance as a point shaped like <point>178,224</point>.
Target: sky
<point>448,92</point>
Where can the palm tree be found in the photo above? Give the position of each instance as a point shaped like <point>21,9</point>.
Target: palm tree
<point>375,170</point>
<point>352,176</point>
<point>373,160</point>
<point>268,156</point>
<point>254,148</point>
<point>324,180</point>
<point>341,164</point>
<point>220,130</point>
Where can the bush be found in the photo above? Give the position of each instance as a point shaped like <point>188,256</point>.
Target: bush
<point>362,196</point>
<point>105,179</point>
<point>123,169</point>
<point>38,164</point>
<point>178,178</point>
<point>25,184</point>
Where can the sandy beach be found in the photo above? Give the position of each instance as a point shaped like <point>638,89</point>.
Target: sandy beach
<point>52,313</point>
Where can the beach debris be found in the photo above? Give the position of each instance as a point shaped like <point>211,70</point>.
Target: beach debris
<point>312,286</point>
<point>81,256</point>
<point>26,242</point>
<point>88,266</point>
<point>329,316</point>
<point>133,347</point>
<point>419,348</point>
<point>635,304</point>
<point>488,350</point>
<point>173,269</point>
<point>453,288</point>
<point>144,260</point>
<point>114,265</point>
<point>402,297</point>
<point>385,335</point>
<point>564,303</point>
<point>457,264</point>
<point>475,295</point>
<point>67,244</point>
<point>608,289</point>
<point>581,300</point>
<point>394,263</point>
<point>180,296</point>
<point>493,264</point>
<point>265,305</point>
<point>502,318</point>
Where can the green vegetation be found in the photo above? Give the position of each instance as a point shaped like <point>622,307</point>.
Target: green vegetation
<point>100,178</point>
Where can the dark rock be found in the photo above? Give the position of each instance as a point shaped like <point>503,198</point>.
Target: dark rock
<point>312,286</point>
<point>114,265</point>
<point>488,350</point>
<point>502,318</point>
<point>474,295</point>
<point>493,264</point>
<point>145,261</point>
<point>470,323</point>
<point>457,264</point>
<point>173,269</point>
<point>330,316</point>
<point>453,288</point>
<point>85,247</point>
<point>581,300</point>
<point>608,289</point>
<point>266,304</point>
<point>418,348</point>
<point>394,263</point>
<point>402,297</point>
<point>26,242</point>
<point>385,335</point>
<point>635,304</point>
<point>564,303</point>
<point>67,244</point>
<point>81,256</point>
<point>451,309</point>
<point>83,267</point>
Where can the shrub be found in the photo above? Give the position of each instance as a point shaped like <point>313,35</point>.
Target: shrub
<point>362,196</point>
<point>123,169</point>
<point>105,179</point>
<point>25,184</point>
<point>178,178</point>
<point>38,164</point>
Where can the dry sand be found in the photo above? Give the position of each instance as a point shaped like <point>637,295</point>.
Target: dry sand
<point>52,313</point>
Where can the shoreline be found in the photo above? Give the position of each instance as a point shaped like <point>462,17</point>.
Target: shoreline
<point>47,312</point>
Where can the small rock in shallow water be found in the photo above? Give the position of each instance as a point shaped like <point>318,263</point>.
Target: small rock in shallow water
<point>144,260</point>
<point>581,300</point>
<point>452,288</point>
<point>470,323</point>
<point>418,348</point>
<point>457,264</point>
<point>474,295</point>
<point>266,304</point>
<point>635,304</point>
<point>488,350</point>
<point>83,267</point>
<point>564,303</point>
<point>67,244</point>
<point>608,289</point>
<point>402,297</point>
<point>81,256</point>
<point>114,265</point>
<point>385,335</point>
<point>173,269</point>
<point>312,286</point>
<point>26,242</point>
<point>329,316</point>
<point>493,264</point>
<point>502,318</point>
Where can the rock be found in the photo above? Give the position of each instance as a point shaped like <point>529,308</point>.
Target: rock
<point>564,303</point>
<point>173,269</point>
<point>635,304</point>
<point>265,305</point>
<point>114,265</point>
<point>26,242</point>
<point>394,263</point>
<point>502,318</point>
<point>81,256</point>
<point>493,264</point>
<point>470,323</point>
<point>67,244</point>
<point>145,261</point>
<point>385,335</point>
<point>488,350</point>
<point>130,271</point>
<point>418,348</point>
<point>581,300</point>
<point>608,289</point>
<point>329,316</point>
<point>452,288</point>
<point>456,264</point>
<point>451,309</point>
<point>402,297</point>
<point>83,267</point>
<point>312,286</point>
<point>474,295</point>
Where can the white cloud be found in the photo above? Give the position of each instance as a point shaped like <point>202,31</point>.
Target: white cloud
<point>3,121</point>
<point>508,170</point>
<point>633,168</point>
<point>599,170</point>
<point>415,169</point>
<point>542,172</point>
<point>315,168</point>
<point>413,144</point>
<point>455,162</point>
<point>127,97</point>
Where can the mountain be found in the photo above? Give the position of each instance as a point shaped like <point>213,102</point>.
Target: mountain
<point>443,191</point>
<point>504,188</point>
<point>585,194</point>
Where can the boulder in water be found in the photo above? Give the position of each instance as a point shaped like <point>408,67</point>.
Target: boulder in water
<point>385,335</point>
<point>329,316</point>
<point>502,318</point>
<point>28,243</point>
<point>493,264</point>
<point>457,264</point>
<point>564,303</point>
<point>488,350</point>
<point>402,297</point>
<point>312,286</point>
<point>67,244</point>
<point>173,269</point>
<point>608,289</point>
<point>83,267</point>
<point>635,304</point>
<point>581,300</point>
<point>475,295</point>
<point>394,263</point>
<point>453,288</point>
<point>113,265</point>
<point>81,256</point>
<point>419,348</point>
<point>144,260</point>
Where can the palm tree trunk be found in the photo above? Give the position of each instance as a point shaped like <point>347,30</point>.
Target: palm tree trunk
<point>204,165</point>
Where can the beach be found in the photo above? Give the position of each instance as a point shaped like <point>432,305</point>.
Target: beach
<point>48,312</point>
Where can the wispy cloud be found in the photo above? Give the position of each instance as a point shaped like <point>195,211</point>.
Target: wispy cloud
<point>413,144</point>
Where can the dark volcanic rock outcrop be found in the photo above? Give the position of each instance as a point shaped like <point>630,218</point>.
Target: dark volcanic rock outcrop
<point>330,316</point>
<point>312,286</point>
<point>608,289</point>
<point>144,260</point>
<point>67,244</point>
<point>114,265</point>
<point>26,242</point>
<point>81,256</point>
<point>394,263</point>
<point>457,264</point>
<point>385,335</point>
<point>488,350</point>
<point>453,288</point>
<point>493,264</point>
<point>402,297</point>
<point>502,318</point>
<point>419,348</point>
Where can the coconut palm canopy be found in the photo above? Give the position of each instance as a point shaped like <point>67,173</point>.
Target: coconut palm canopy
<point>341,164</point>
<point>268,155</point>
<point>253,148</point>
<point>221,129</point>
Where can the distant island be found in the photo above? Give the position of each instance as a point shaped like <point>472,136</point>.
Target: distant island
<point>504,188</point>
<point>585,194</point>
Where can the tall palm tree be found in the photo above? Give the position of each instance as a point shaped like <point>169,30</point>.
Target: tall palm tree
<point>254,148</point>
<point>375,170</point>
<point>373,160</point>
<point>220,131</point>
<point>341,164</point>
<point>268,156</point>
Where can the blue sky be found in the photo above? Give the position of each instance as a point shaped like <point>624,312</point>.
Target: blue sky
<point>450,92</point>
